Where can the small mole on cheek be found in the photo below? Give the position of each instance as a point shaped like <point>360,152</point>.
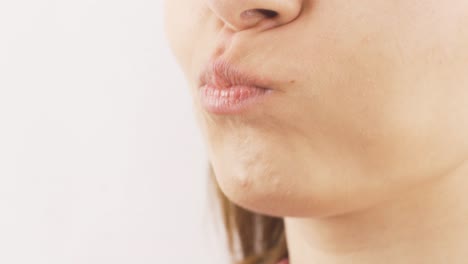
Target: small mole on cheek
<point>292,81</point>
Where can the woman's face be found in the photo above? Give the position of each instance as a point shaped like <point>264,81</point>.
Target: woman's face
<point>370,97</point>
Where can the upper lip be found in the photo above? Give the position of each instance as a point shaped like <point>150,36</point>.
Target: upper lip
<point>222,74</point>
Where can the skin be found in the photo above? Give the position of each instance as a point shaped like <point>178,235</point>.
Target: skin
<point>363,145</point>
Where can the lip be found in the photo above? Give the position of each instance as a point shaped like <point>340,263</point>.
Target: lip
<point>225,89</point>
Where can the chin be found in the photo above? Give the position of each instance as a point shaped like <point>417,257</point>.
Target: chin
<point>250,185</point>
<point>283,191</point>
<point>264,188</point>
<point>271,180</point>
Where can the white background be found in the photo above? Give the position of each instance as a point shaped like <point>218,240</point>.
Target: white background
<point>101,160</point>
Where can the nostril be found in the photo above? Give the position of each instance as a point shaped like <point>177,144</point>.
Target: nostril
<point>255,13</point>
<point>267,13</point>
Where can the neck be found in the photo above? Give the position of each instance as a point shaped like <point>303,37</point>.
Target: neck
<point>428,224</point>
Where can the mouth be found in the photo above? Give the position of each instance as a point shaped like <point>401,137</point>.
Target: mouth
<point>225,89</point>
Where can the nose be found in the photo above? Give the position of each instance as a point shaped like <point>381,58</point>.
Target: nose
<point>244,14</point>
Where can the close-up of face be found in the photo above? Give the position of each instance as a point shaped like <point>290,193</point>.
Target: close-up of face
<point>364,100</point>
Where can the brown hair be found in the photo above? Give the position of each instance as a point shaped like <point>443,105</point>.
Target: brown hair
<point>252,238</point>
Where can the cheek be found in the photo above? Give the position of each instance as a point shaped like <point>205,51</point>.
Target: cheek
<point>373,110</point>
<point>390,99</point>
<point>182,21</point>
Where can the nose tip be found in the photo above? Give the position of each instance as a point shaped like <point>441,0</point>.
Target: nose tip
<point>244,14</point>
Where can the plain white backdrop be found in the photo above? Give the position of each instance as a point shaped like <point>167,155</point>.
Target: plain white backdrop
<point>101,160</point>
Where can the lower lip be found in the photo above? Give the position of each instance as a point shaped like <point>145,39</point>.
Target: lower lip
<point>232,100</point>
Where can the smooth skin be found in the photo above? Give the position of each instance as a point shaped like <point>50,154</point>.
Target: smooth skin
<point>363,145</point>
